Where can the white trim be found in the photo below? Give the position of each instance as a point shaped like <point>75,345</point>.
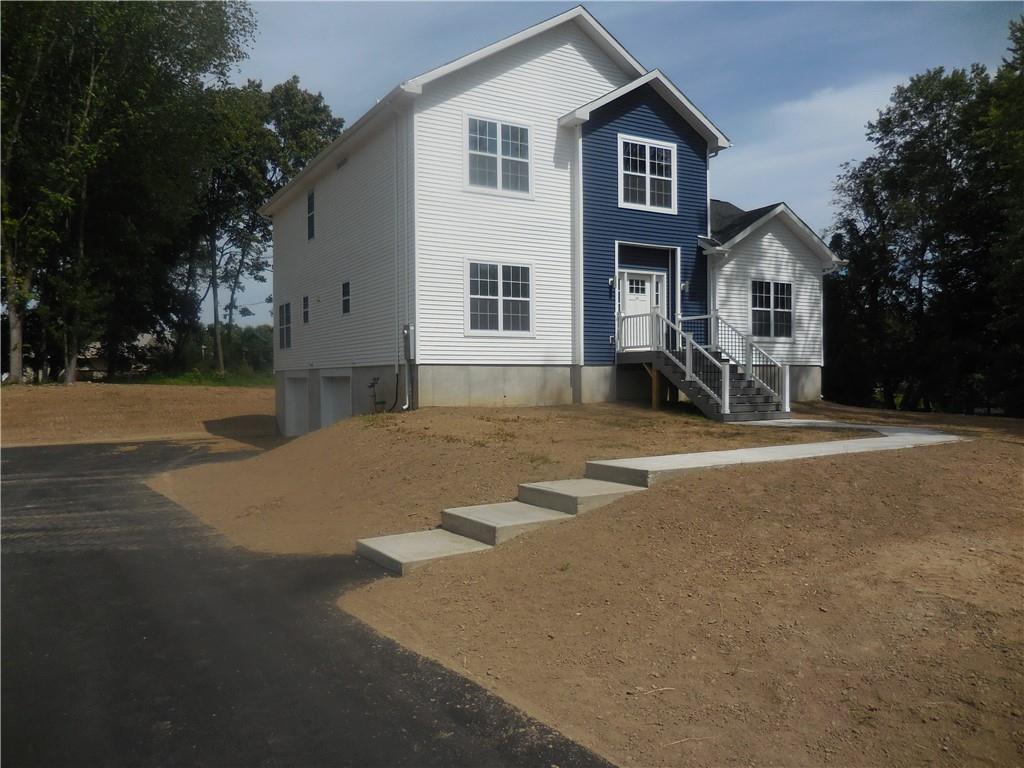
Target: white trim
<point>717,141</point>
<point>804,232</point>
<point>498,191</point>
<point>668,273</point>
<point>648,143</point>
<point>577,251</point>
<point>771,309</point>
<point>467,330</point>
<point>589,24</point>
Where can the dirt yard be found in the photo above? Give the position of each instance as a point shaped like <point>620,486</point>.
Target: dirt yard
<point>392,473</point>
<point>93,413</point>
<point>858,610</point>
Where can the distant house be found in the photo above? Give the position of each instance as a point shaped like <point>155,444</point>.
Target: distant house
<point>531,224</point>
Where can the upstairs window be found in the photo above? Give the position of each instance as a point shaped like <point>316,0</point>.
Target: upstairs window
<point>771,309</point>
<point>346,298</point>
<point>305,310</point>
<point>499,298</point>
<point>310,216</point>
<point>499,156</point>
<point>284,326</point>
<point>647,179</point>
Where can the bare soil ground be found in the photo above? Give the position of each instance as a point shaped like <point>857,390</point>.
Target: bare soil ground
<point>393,473</point>
<point>855,610</point>
<point>40,415</point>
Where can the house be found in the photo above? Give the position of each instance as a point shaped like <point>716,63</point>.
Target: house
<point>531,224</point>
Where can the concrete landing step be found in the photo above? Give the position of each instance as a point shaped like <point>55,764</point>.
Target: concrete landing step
<point>495,523</point>
<point>574,496</point>
<point>405,552</point>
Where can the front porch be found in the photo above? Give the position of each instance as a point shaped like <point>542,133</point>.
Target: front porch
<point>722,371</point>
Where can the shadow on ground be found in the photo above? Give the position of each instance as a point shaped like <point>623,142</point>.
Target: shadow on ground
<point>257,430</point>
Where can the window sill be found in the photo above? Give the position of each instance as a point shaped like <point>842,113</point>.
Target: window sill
<point>648,208</point>
<point>497,192</point>
<point>787,339</point>
<point>502,334</point>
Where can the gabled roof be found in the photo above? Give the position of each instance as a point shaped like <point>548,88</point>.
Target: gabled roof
<point>716,140</point>
<point>731,224</point>
<point>413,87</point>
<point>579,14</point>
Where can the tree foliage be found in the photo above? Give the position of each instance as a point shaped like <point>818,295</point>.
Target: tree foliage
<point>928,312</point>
<point>133,170</point>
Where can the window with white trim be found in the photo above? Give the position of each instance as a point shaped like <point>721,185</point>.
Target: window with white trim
<point>647,178</point>
<point>499,298</point>
<point>346,298</point>
<point>771,309</point>
<point>310,215</point>
<point>499,155</point>
<point>305,310</point>
<point>284,325</point>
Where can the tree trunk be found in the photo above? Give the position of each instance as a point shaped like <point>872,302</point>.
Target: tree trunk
<point>15,317</point>
<point>70,357</point>
<point>218,344</point>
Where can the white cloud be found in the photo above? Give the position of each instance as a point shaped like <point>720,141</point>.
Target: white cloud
<point>793,151</point>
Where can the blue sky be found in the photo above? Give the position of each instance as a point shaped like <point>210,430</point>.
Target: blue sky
<point>792,84</point>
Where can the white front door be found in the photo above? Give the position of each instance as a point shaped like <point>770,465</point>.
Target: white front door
<point>639,294</point>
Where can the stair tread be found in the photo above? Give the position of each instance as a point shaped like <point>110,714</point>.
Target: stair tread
<point>507,513</point>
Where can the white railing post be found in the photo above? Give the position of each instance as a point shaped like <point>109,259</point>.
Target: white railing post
<point>618,332</point>
<point>785,388</point>
<point>749,367</point>
<point>724,367</point>
<point>656,343</point>
<point>713,330</point>
<point>689,357</point>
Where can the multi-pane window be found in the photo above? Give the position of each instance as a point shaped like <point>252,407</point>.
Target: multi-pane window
<point>638,287</point>
<point>305,310</point>
<point>499,155</point>
<point>499,297</point>
<point>346,298</point>
<point>284,325</point>
<point>310,216</point>
<point>647,177</point>
<point>771,309</point>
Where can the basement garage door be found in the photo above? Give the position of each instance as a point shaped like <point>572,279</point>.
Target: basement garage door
<point>296,407</point>
<point>335,399</point>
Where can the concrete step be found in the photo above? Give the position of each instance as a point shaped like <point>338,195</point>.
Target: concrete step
<point>405,552</point>
<point>574,496</point>
<point>494,523</point>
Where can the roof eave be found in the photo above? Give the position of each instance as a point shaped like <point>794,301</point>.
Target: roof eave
<point>809,236</point>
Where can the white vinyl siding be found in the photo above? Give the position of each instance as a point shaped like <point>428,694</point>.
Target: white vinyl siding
<point>360,240</point>
<point>531,85</point>
<point>774,254</point>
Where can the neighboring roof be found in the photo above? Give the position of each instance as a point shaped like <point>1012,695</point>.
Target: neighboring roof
<point>413,87</point>
<point>728,220</point>
<point>730,224</point>
<point>716,140</point>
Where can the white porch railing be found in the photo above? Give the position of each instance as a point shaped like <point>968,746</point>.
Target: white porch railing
<point>688,345</point>
<point>741,349</point>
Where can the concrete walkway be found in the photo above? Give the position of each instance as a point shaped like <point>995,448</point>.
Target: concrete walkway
<point>647,470</point>
<point>473,529</point>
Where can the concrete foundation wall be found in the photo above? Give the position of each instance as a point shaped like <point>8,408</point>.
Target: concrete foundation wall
<point>494,385</point>
<point>804,383</point>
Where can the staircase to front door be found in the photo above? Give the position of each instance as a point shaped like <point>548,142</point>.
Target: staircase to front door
<point>720,370</point>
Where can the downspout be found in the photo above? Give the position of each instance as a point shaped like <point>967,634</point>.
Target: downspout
<point>398,328</point>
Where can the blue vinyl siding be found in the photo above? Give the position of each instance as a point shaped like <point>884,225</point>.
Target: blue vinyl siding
<point>641,113</point>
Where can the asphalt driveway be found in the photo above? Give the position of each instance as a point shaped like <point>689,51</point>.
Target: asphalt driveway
<point>134,635</point>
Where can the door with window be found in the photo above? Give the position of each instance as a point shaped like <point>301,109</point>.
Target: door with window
<point>640,294</point>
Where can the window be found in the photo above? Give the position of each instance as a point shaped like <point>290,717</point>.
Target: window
<point>499,156</point>
<point>284,326</point>
<point>499,298</point>
<point>310,216</point>
<point>638,287</point>
<point>305,310</point>
<point>346,298</point>
<point>771,309</point>
<point>646,174</point>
